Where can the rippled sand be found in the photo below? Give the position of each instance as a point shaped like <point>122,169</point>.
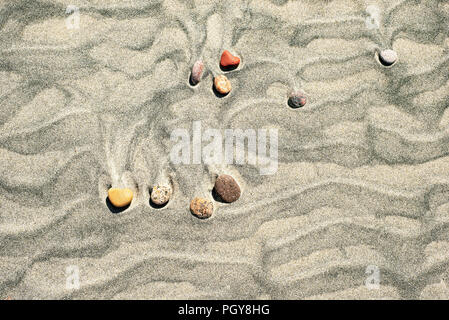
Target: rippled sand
<point>363,177</point>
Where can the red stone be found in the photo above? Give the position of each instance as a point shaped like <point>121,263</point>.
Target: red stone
<point>228,60</point>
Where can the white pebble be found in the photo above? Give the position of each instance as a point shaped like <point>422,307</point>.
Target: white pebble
<point>388,57</point>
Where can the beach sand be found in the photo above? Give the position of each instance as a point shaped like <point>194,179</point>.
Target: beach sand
<point>362,181</point>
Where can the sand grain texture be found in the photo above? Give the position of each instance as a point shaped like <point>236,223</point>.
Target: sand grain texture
<point>363,175</point>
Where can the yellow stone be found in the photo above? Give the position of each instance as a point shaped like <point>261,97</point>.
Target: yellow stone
<point>120,197</point>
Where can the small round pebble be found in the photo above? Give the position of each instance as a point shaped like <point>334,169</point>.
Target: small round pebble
<point>160,194</point>
<point>202,208</point>
<point>297,99</point>
<point>120,197</point>
<point>197,72</point>
<point>222,84</point>
<point>388,57</point>
<point>227,188</point>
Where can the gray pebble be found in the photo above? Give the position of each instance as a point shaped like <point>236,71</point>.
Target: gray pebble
<point>297,99</point>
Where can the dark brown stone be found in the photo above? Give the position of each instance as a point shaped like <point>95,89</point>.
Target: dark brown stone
<point>227,188</point>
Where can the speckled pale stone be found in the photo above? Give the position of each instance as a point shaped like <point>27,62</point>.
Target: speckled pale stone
<point>222,84</point>
<point>202,208</point>
<point>120,197</point>
<point>161,194</point>
<point>388,57</point>
<point>197,72</point>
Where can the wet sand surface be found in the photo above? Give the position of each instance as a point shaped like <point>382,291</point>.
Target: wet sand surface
<point>363,175</point>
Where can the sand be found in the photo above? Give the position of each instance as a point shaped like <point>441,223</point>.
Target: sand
<point>363,168</point>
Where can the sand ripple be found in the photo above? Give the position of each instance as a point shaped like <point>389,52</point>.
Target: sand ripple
<point>363,175</point>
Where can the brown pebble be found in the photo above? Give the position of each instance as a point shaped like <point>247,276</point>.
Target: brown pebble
<point>202,208</point>
<point>197,72</point>
<point>222,84</point>
<point>160,194</point>
<point>227,188</point>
